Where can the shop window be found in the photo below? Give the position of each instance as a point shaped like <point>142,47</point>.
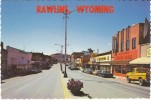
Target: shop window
<point>133,43</point>
<point>118,69</point>
<point>126,69</point>
<point>143,70</point>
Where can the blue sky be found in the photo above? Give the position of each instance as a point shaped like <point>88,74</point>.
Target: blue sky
<point>27,30</point>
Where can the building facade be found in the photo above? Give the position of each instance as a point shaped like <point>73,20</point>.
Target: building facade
<point>17,60</point>
<point>103,61</point>
<point>144,59</point>
<point>37,60</point>
<point>76,57</point>
<point>126,46</point>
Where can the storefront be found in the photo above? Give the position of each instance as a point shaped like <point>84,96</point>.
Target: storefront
<point>121,61</point>
<point>120,68</point>
<point>129,47</point>
<point>144,60</point>
<point>104,61</point>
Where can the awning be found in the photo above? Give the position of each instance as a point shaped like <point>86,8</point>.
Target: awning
<point>142,60</point>
<point>120,63</point>
<point>104,64</point>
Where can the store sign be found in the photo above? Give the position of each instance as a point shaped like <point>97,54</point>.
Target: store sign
<point>148,52</point>
<point>104,58</point>
<point>128,55</point>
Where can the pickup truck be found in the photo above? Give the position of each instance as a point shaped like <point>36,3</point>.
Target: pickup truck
<point>139,74</point>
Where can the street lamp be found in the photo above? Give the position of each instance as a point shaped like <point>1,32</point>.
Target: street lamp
<point>66,13</point>
<point>60,55</point>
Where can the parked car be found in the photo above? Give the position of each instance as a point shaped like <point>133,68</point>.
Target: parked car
<point>96,72</point>
<point>105,73</point>
<point>68,64</point>
<point>35,70</point>
<point>88,70</point>
<point>82,69</point>
<point>74,68</point>
<point>46,67</point>
<point>69,67</point>
<point>139,74</point>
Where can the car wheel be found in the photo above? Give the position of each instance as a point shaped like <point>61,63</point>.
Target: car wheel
<point>128,80</point>
<point>141,82</point>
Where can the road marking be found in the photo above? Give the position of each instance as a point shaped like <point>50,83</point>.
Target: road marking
<point>23,87</point>
<point>65,91</point>
<point>28,84</point>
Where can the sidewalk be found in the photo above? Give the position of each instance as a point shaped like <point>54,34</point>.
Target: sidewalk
<point>121,78</point>
<point>67,93</point>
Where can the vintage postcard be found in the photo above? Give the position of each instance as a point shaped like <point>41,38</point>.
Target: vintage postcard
<point>75,49</point>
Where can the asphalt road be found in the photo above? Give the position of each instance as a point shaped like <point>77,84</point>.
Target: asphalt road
<point>48,85</point>
<point>44,85</point>
<point>98,87</point>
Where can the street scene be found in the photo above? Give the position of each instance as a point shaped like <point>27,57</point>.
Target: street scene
<point>64,49</point>
<point>48,85</point>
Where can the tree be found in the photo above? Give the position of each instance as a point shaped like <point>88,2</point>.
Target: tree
<point>90,50</point>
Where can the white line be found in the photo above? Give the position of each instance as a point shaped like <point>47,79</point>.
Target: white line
<point>28,84</point>
<point>23,87</point>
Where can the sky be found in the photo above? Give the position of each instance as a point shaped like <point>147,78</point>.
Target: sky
<point>23,28</point>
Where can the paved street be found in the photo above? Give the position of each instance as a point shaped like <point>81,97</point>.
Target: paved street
<point>98,87</point>
<point>43,85</point>
<point>48,85</point>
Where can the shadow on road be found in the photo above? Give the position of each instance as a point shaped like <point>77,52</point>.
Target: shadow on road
<point>81,94</point>
<point>2,82</point>
<point>145,85</point>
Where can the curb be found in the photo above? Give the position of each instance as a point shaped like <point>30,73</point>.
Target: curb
<point>120,78</point>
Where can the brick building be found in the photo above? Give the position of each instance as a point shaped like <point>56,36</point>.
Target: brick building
<point>126,46</point>
<point>75,56</point>
<point>18,61</point>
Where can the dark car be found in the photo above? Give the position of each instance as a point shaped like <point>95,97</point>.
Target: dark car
<point>35,70</point>
<point>74,68</point>
<point>88,70</point>
<point>105,73</point>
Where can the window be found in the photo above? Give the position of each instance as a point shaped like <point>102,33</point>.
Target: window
<point>114,44</point>
<point>127,34</point>
<point>118,69</point>
<point>122,46</point>
<point>122,40</point>
<point>127,39</point>
<point>122,35</point>
<point>133,43</point>
<point>127,44</point>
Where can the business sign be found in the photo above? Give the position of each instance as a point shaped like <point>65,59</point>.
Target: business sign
<point>103,58</point>
<point>128,55</point>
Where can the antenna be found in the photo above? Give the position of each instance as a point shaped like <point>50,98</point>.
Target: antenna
<point>97,51</point>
